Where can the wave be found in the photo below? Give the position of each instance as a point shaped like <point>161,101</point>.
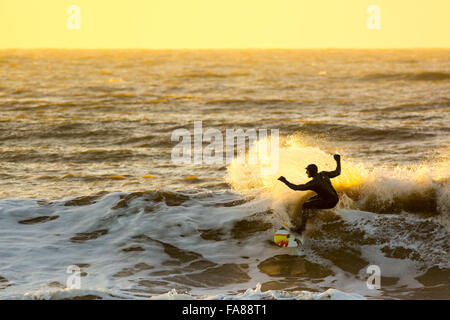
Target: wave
<point>249,294</point>
<point>358,133</point>
<point>412,76</point>
<point>422,188</point>
<point>198,244</point>
<point>417,106</point>
<point>203,244</point>
<point>29,155</point>
<point>268,101</point>
<point>67,130</point>
<point>209,74</point>
<point>258,294</point>
<point>388,216</point>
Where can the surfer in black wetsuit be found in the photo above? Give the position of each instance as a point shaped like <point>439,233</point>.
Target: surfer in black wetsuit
<point>326,197</point>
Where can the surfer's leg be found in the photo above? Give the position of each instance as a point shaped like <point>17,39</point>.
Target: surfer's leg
<point>304,220</point>
<point>308,206</point>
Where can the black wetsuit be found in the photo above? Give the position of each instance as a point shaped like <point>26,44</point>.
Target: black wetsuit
<point>326,197</point>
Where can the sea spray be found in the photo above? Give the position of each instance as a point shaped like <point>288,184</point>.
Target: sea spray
<point>417,188</point>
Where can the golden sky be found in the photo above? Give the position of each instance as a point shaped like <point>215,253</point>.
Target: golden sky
<point>224,24</point>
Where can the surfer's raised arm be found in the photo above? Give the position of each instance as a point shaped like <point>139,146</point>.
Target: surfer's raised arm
<point>298,187</point>
<point>335,173</point>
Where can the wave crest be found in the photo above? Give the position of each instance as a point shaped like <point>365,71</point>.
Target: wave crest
<point>423,188</point>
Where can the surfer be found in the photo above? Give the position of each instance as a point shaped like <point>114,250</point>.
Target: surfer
<point>326,197</point>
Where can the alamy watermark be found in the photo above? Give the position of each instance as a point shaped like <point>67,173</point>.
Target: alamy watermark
<point>374,281</point>
<point>74,280</point>
<point>263,150</point>
<point>74,20</point>
<point>373,22</point>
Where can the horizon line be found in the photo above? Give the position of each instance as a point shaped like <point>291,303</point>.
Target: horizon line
<point>234,48</point>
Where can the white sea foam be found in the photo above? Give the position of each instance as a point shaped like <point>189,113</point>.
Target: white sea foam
<point>257,294</point>
<point>35,256</point>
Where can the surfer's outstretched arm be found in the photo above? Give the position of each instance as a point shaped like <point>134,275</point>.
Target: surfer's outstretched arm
<point>335,173</point>
<point>298,187</point>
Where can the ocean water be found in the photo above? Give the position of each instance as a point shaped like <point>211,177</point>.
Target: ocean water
<point>87,178</point>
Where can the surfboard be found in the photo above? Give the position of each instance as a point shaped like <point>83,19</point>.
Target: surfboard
<point>287,238</point>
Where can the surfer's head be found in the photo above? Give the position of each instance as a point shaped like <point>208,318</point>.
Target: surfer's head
<point>311,170</point>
